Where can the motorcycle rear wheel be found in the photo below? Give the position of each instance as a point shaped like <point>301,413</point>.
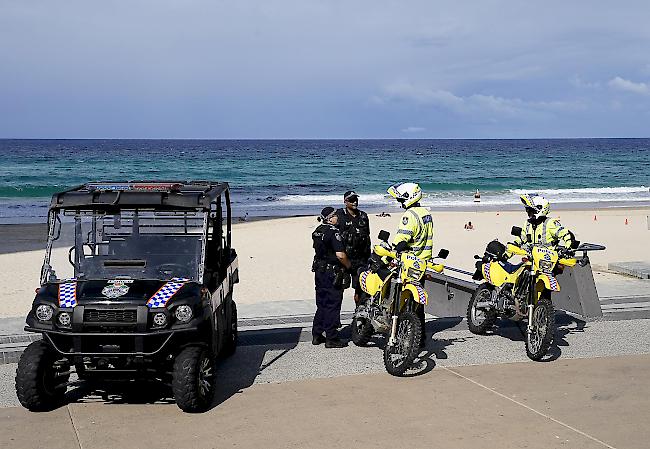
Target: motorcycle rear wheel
<point>539,340</point>
<point>480,320</point>
<point>399,357</point>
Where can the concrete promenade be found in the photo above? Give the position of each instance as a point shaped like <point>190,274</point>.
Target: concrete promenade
<point>580,403</point>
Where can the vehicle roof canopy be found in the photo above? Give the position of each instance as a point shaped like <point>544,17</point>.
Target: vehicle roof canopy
<point>159,195</point>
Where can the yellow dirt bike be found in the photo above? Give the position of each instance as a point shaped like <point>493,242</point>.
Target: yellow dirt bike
<point>520,292</point>
<point>394,285</point>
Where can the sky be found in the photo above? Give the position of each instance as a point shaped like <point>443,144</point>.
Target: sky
<point>260,69</point>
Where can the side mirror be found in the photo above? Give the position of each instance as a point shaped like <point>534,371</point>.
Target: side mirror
<point>443,253</point>
<point>383,235</point>
<point>516,231</point>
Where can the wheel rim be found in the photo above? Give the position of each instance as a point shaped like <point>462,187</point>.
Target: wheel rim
<point>538,329</point>
<point>478,315</point>
<point>399,351</point>
<point>205,376</point>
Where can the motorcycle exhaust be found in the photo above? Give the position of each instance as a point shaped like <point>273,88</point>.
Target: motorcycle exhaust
<point>393,331</point>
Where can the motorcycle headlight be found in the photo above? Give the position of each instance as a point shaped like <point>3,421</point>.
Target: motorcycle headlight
<point>44,312</point>
<point>183,313</point>
<point>546,266</point>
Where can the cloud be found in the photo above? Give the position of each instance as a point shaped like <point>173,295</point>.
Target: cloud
<point>413,129</point>
<point>629,86</point>
<point>582,84</point>
<point>475,104</point>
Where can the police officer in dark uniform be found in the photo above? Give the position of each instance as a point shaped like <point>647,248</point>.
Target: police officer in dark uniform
<point>330,270</point>
<point>355,231</point>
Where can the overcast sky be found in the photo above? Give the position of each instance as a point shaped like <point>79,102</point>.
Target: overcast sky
<point>324,69</point>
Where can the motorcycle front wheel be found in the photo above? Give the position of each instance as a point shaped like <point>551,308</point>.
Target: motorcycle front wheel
<point>540,337</point>
<point>362,331</point>
<point>479,320</point>
<point>399,356</point>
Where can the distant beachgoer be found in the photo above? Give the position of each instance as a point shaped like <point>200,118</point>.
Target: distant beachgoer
<point>469,226</point>
<point>477,196</point>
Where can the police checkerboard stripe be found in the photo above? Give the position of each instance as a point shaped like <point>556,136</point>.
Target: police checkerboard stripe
<point>68,294</point>
<point>421,294</point>
<point>364,277</point>
<point>486,272</point>
<point>165,293</point>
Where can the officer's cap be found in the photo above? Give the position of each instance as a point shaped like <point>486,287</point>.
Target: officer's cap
<point>350,196</point>
<point>326,213</point>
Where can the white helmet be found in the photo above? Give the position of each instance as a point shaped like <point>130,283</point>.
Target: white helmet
<point>407,193</point>
<point>537,204</point>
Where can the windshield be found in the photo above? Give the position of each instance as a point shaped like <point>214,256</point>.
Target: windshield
<point>133,244</point>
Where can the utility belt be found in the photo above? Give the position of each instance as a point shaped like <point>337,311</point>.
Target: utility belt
<point>342,278</point>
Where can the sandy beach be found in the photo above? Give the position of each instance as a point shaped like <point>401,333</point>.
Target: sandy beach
<point>275,255</point>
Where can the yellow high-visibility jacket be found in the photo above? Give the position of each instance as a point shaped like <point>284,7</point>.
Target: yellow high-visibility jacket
<point>416,229</point>
<point>550,232</point>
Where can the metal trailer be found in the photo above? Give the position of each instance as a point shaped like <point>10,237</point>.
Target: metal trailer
<point>449,296</point>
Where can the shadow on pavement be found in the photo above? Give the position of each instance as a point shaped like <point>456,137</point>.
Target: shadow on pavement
<point>239,371</point>
<point>234,374</point>
<point>565,324</point>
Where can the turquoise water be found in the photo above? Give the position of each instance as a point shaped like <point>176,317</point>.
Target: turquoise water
<point>293,177</point>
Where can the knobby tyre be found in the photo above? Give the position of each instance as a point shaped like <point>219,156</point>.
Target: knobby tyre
<point>361,330</point>
<point>479,321</point>
<point>539,340</point>
<point>193,381</point>
<point>399,357</point>
<point>41,377</point>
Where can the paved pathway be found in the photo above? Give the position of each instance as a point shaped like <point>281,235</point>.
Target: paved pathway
<point>581,403</point>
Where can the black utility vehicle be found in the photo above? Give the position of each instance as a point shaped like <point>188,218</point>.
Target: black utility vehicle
<point>143,290</point>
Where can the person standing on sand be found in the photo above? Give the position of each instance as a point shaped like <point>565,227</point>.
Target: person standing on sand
<point>354,226</point>
<point>329,267</point>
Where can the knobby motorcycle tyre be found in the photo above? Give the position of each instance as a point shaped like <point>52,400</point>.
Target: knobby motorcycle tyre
<point>362,331</point>
<point>539,340</point>
<point>399,357</point>
<point>480,321</point>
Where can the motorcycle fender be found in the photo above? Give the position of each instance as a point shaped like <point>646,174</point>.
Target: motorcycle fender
<point>549,282</point>
<point>494,273</point>
<point>416,292</point>
<point>370,282</point>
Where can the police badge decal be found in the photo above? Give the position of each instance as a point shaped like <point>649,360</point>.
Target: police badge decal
<point>116,288</point>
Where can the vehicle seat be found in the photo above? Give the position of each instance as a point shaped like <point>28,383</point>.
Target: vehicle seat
<point>510,267</point>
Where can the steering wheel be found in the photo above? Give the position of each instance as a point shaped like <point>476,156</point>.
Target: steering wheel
<point>169,270</point>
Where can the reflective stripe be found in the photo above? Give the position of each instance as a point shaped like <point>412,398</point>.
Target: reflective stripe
<point>404,231</point>
<point>420,248</point>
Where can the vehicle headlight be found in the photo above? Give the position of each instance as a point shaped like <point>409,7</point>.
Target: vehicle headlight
<point>183,313</point>
<point>64,319</point>
<point>44,312</point>
<point>160,319</point>
<point>546,266</point>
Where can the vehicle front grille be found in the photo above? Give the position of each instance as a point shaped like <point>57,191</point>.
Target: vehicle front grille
<point>110,316</point>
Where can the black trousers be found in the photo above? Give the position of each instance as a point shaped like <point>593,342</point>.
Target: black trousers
<point>328,305</point>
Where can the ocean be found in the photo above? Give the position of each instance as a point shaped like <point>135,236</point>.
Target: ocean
<point>298,177</point>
